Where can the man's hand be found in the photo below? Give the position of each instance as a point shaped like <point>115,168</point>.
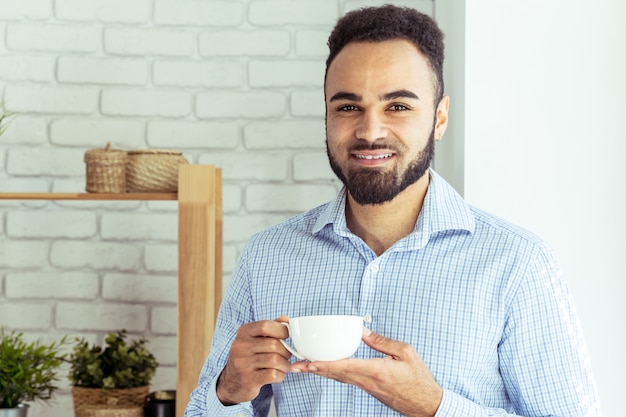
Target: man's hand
<point>401,380</point>
<point>256,358</point>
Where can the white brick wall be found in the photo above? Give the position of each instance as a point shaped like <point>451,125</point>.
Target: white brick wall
<point>236,83</point>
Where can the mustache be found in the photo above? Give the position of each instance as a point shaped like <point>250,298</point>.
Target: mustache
<point>363,145</point>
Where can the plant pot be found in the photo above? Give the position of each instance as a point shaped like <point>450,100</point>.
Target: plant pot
<point>158,405</point>
<point>130,397</point>
<point>20,411</point>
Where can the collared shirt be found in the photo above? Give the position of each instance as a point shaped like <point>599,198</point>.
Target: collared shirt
<point>483,302</point>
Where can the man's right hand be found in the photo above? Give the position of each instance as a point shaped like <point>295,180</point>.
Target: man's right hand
<point>256,358</point>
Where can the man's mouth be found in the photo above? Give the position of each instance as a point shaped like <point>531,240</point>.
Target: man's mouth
<point>381,156</point>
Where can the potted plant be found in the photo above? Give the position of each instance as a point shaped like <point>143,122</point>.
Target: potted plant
<point>118,374</point>
<point>28,372</point>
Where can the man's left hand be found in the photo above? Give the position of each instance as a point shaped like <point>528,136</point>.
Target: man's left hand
<point>401,380</point>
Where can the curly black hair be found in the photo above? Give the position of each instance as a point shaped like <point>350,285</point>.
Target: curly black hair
<point>376,24</point>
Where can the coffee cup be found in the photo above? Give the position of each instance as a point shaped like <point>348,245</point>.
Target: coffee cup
<point>324,338</point>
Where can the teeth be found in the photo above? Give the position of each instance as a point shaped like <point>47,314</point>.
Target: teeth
<point>386,155</point>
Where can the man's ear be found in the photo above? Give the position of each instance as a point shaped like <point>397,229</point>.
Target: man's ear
<point>441,123</point>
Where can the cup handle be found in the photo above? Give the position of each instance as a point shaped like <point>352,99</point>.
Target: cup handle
<point>289,348</point>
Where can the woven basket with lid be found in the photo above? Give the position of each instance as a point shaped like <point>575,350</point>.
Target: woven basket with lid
<point>105,170</point>
<point>153,170</point>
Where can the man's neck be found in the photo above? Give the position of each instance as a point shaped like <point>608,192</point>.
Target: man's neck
<point>382,225</point>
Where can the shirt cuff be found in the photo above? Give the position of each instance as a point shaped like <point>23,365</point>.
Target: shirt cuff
<point>452,404</point>
<point>216,408</point>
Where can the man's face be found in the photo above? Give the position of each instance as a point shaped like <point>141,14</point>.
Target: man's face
<point>380,118</point>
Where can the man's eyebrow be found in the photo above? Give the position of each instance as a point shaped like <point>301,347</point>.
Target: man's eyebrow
<point>346,96</point>
<point>399,94</point>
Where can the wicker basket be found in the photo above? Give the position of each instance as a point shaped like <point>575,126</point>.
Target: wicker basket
<point>153,170</point>
<point>98,399</point>
<point>106,170</point>
<point>111,411</point>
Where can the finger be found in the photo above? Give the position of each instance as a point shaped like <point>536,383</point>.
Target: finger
<point>393,348</point>
<point>263,328</point>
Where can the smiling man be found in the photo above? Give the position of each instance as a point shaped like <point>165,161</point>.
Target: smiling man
<point>466,314</point>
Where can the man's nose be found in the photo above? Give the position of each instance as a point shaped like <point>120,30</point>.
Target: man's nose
<point>371,127</point>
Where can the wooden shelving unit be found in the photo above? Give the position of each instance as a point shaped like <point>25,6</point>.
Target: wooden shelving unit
<point>199,263</point>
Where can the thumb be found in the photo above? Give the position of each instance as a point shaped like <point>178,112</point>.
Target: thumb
<point>383,344</point>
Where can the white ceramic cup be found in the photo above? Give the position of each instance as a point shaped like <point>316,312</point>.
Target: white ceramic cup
<point>324,338</point>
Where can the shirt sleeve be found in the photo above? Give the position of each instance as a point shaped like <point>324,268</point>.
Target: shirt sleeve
<point>543,357</point>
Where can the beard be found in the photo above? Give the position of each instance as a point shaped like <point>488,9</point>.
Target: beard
<point>377,186</point>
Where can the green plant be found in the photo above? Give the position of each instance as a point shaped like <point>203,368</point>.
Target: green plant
<point>118,365</point>
<point>28,371</point>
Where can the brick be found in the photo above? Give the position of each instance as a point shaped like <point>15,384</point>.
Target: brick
<point>145,103</point>
<point>170,206</point>
<point>52,99</point>
<point>133,41</point>
<point>165,378</point>
<point>95,133</point>
<point>97,255</point>
<point>27,68</point>
<point>284,134</point>
<point>53,38</point>
<point>25,9</point>
<point>239,104</point>
<point>86,70</point>
<point>193,134</point>
<point>46,161</point>
<point>231,198</point>
<point>57,224</point>
<point>101,316</point>
<point>23,254</point>
<point>164,349</point>
<point>230,254</point>
<point>312,43</point>
<point>198,13</point>
<point>257,166</point>
<point>139,226</point>
<point>312,166</point>
<point>244,43</point>
<point>32,130</point>
<point>23,185</point>
<point>292,73</point>
<point>239,227</point>
<point>74,285</point>
<point>25,315</point>
<point>307,103</point>
<point>218,73</point>
<point>286,12</point>
<point>163,320</point>
<point>161,258</point>
<point>114,11</point>
<point>287,197</point>
<point>140,288</point>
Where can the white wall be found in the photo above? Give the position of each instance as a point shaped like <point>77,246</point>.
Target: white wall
<point>545,146</point>
<point>237,83</point>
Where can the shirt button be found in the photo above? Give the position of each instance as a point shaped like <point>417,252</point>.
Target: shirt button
<point>374,268</point>
<point>367,318</point>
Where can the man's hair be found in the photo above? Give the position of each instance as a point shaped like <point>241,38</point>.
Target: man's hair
<point>388,22</point>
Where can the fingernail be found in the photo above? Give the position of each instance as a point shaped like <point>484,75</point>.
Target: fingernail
<point>366,331</point>
<point>295,370</point>
<point>312,368</point>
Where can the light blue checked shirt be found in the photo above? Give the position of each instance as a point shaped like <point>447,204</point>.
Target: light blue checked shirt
<point>483,302</point>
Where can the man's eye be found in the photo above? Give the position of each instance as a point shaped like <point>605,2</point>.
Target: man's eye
<point>398,107</point>
<point>348,107</point>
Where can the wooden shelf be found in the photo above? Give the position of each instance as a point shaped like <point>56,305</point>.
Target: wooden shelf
<point>199,263</point>
<point>88,196</point>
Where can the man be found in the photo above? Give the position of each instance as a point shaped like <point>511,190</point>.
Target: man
<point>466,315</point>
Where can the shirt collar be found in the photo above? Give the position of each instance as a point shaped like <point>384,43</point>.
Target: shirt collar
<point>443,209</point>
